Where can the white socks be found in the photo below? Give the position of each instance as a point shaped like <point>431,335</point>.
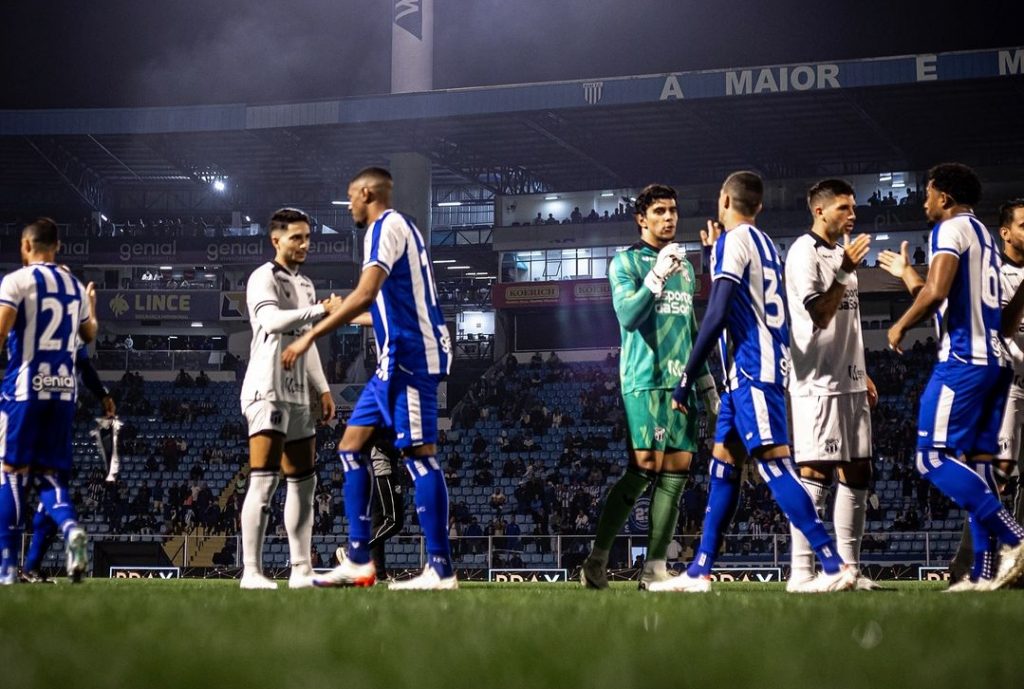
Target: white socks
<point>801,554</point>
<point>255,511</point>
<point>851,507</point>
<point>298,520</point>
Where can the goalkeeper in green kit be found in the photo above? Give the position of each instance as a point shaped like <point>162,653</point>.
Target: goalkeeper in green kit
<point>652,286</point>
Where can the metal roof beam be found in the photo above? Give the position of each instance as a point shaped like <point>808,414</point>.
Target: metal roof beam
<point>86,183</point>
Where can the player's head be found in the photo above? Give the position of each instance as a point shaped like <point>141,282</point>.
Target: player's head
<point>656,214</point>
<point>289,230</point>
<point>40,240</point>
<point>950,185</point>
<point>369,190</point>
<point>742,193</point>
<point>1011,228</point>
<point>832,204</point>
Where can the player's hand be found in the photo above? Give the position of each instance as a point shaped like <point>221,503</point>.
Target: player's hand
<point>855,251</point>
<point>668,263</point>
<point>895,263</point>
<point>332,303</point>
<point>296,349</point>
<point>681,395</point>
<point>90,293</point>
<point>109,408</point>
<point>895,336</point>
<point>670,259</point>
<point>872,393</point>
<point>709,236</point>
<point>327,406</point>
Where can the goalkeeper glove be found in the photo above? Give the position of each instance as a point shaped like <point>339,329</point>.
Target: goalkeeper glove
<point>669,262</point>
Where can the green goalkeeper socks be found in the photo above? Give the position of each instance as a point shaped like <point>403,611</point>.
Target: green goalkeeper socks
<point>617,506</point>
<point>668,489</point>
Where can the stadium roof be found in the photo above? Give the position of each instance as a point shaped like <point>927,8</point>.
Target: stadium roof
<point>847,117</point>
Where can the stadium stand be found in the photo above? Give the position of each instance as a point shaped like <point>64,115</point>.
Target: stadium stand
<point>532,449</point>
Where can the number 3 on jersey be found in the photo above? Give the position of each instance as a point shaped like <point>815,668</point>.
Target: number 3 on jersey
<point>774,308</point>
<point>54,337</point>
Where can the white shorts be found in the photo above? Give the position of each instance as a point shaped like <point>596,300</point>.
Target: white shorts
<point>1010,430</point>
<point>293,421</point>
<point>832,428</point>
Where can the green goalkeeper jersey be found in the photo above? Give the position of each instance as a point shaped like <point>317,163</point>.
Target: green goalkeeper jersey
<point>657,333</point>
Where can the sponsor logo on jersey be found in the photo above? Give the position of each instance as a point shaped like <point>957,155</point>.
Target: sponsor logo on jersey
<point>50,383</point>
<point>855,372</point>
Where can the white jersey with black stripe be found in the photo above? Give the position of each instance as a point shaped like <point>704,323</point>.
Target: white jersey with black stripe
<point>1011,274</point>
<point>282,305</point>
<point>826,361</point>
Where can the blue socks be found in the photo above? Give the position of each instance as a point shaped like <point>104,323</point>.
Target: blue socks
<point>358,491</point>
<point>43,532</point>
<point>12,503</point>
<point>431,497</point>
<point>798,507</point>
<point>983,543</point>
<point>56,500</point>
<point>970,491</point>
<point>723,497</point>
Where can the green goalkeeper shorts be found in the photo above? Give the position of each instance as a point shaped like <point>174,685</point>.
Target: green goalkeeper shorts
<point>654,425</point>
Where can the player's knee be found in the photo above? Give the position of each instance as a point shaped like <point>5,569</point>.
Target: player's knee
<point>819,473</point>
<point>857,474</point>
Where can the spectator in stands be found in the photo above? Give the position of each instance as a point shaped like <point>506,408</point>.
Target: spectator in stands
<point>473,535</point>
<point>539,220</point>
<point>184,380</point>
<point>576,216</point>
<point>550,220</point>
<point>498,499</point>
<point>202,380</point>
<point>592,216</point>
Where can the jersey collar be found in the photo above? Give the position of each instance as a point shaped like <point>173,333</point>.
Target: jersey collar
<point>1015,264</point>
<point>278,266</point>
<point>818,241</point>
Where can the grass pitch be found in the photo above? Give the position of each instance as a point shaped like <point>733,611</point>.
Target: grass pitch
<point>194,633</point>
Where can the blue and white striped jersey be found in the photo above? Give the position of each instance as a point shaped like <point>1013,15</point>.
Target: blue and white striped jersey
<point>43,343</point>
<point>968,320</point>
<point>755,343</point>
<point>407,320</point>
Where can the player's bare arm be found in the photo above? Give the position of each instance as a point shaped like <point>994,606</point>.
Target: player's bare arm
<point>354,305</point>
<point>8,315</point>
<point>898,265</point>
<point>929,297</point>
<point>89,327</point>
<point>823,309</point>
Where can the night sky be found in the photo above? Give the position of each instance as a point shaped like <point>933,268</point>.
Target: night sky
<point>76,53</point>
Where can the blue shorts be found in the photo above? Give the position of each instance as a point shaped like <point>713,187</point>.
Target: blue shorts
<point>36,433</point>
<point>406,403</point>
<point>962,408</point>
<point>754,414</point>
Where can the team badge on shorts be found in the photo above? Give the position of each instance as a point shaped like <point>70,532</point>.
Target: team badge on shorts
<point>659,434</point>
<point>831,446</point>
